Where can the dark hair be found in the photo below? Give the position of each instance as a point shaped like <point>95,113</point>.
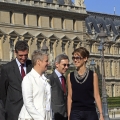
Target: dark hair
<point>21,46</point>
<point>61,57</point>
<point>82,51</point>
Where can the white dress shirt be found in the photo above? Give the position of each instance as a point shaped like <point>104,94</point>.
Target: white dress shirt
<point>36,97</point>
<point>19,66</point>
<point>58,74</point>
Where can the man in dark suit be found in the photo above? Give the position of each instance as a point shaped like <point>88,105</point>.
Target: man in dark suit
<point>2,111</point>
<point>58,85</point>
<point>12,74</point>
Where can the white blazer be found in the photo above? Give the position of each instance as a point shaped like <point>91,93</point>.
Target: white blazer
<point>36,97</point>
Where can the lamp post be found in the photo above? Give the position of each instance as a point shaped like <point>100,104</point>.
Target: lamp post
<point>44,48</point>
<point>52,61</point>
<point>92,64</point>
<point>102,36</point>
<point>12,48</point>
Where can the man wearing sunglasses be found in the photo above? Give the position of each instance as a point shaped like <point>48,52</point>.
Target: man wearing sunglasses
<point>58,85</point>
<point>11,77</point>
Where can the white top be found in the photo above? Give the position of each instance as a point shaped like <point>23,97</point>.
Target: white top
<point>36,96</point>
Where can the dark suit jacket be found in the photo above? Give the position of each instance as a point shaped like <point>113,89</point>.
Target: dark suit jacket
<point>58,98</point>
<point>10,88</point>
<point>2,111</point>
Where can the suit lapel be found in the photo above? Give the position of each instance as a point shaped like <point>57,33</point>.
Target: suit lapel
<point>57,80</point>
<point>16,70</point>
<point>28,66</point>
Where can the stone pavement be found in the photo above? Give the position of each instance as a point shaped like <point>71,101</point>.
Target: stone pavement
<point>114,118</point>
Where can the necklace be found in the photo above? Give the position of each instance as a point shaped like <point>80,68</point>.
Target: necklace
<point>78,77</point>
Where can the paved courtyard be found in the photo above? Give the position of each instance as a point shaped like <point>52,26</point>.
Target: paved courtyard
<point>115,118</point>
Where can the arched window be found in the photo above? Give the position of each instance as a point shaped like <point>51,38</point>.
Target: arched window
<point>92,29</point>
<point>100,26</point>
<point>110,28</point>
<point>111,68</point>
<point>112,89</point>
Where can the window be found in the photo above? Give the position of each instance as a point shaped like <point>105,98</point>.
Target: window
<point>110,28</point>
<point>11,17</point>
<point>37,20</point>
<point>118,29</point>
<point>100,26</point>
<point>24,18</point>
<point>62,23</point>
<point>74,24</point>
<point>92,29</point>
<point>50,22</point>
<point>112,89</point>
<point>91,25</point>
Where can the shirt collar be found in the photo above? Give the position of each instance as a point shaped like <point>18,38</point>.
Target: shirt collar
<point>18,63</point>
<point>36,74</point>
<point>58,73</point>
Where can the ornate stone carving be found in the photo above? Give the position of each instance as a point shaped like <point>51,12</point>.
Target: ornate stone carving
<point>79,3</point>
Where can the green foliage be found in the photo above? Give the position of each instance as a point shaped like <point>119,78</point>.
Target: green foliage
<point>113,102</point>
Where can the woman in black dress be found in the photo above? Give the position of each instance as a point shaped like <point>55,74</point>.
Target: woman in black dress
<point>83,89</point>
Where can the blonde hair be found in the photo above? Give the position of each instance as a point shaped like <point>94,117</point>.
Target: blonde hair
<point>37,54</point>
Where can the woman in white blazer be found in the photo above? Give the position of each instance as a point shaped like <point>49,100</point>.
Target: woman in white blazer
<point>36,90</point>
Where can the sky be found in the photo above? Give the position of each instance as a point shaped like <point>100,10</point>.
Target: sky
<point>103,6</point>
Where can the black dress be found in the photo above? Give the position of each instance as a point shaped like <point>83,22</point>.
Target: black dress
<point>83,97</point>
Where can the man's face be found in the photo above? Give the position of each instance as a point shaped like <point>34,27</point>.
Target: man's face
<point>22,56</point>
<point>62,66</point>
<point>44,63</point>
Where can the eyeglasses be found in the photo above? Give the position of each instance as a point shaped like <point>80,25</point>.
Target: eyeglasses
<point>66,65</point>
<point>77,58</point>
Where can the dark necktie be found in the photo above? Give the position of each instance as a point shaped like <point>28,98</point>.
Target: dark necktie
<point>63,84</point>
<point>22,71</point>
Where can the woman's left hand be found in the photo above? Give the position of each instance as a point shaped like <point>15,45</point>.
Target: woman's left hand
<point>101,117</point>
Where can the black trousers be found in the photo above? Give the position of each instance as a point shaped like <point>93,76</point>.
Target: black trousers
<point>58,116</point>
<point>83,115</point>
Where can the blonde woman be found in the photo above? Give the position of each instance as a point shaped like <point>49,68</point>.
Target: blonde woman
<point>36,90</point>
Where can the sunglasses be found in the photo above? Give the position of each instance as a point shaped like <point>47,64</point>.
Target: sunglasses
<point>66,65</point>
<point>77,58</point>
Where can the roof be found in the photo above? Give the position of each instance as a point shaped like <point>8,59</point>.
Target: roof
<point>109,23</point>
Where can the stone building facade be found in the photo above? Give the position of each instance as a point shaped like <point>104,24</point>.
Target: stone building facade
<point>110,24</point>
<point>37,21</point>
<point>63,26</point>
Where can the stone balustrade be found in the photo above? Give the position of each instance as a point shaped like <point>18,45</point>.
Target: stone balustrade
<point>51,5</point>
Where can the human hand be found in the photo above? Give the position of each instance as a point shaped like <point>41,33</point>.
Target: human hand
<point>101,117</point>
